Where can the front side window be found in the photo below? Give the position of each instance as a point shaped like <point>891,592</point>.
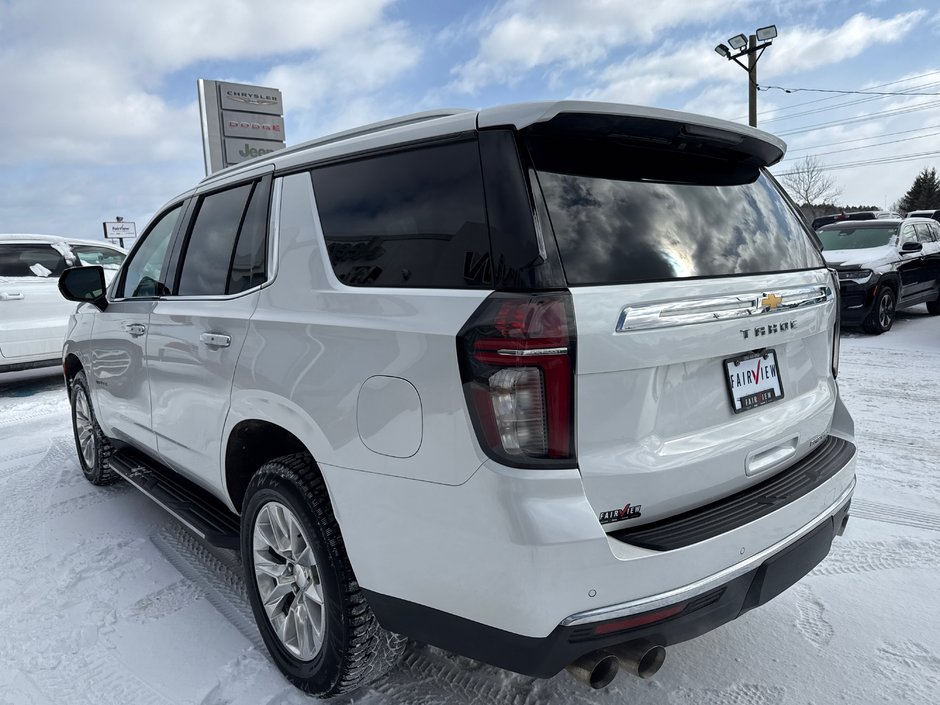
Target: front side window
<point>26,260</point>
<point>408,219</point>
<point>908,234</point>
<point>145,274</point>
<point>923,233</point>
<point>104,256</point>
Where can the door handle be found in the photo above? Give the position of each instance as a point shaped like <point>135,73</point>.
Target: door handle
<point>217,340</point>
<point>11,296</point>
<point>135,329</point>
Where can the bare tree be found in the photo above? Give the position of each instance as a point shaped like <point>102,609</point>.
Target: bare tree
<point>809,185</point>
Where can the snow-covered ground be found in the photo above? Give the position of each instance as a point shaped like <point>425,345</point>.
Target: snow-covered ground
<point>105,600</point>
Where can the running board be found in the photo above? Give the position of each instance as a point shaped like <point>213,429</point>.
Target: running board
<point>195,508</point>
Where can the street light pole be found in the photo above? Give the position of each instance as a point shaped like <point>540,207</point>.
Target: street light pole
<point>749,46</point>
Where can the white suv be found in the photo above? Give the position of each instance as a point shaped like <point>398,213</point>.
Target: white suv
<point>548,385</point>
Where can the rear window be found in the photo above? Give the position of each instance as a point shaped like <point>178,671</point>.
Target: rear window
<point>31,261</point>
<point>856,238</point>
<point>623,216</point>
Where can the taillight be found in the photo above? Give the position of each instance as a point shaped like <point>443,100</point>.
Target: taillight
<point>516,358</point>
<point>836,334</point>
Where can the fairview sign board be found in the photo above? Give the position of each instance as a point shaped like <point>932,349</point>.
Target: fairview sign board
<point>239,122</point>
<point>120,229</point>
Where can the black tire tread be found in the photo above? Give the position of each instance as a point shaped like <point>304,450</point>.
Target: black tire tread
<point>369,651</point>
<point>102,474</point>
<point>871,324</point>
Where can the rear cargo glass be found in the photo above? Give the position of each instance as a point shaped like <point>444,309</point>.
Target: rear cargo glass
<point>624,216</point>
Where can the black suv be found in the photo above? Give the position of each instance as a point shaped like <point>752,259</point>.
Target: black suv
<point>884,265</point>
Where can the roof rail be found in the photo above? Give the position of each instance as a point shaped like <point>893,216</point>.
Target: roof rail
<point>344,135</point>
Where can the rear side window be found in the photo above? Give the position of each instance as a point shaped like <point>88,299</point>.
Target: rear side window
<point>31,261</point>
<point>408,219</point>
<point>622,217</point>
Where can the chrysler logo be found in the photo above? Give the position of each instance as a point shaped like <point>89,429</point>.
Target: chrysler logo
<point>771,301</point>
<point>252,98</point>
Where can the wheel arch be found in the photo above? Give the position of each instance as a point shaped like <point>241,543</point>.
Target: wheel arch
<point>71,366</point>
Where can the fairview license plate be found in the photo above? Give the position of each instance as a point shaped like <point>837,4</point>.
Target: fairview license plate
<point>753,380</point>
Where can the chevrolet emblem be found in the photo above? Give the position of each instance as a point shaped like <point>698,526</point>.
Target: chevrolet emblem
<point>771,301</point>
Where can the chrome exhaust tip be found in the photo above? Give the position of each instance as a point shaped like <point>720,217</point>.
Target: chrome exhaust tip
<point>640,658</point>
<point>596,669</point>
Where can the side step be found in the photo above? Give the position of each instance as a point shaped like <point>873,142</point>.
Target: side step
<point>198,510</point>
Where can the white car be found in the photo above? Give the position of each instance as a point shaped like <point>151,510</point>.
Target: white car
<point>33,314</point>
<point>547,385</point>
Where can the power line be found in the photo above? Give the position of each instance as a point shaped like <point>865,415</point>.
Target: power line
<point>864,118</point>
<point>866,162</point>
<point>862,139</point>
<point>837,106</point>
<point>821,100</point>
<point>832,90</point>
<point>876,144</point>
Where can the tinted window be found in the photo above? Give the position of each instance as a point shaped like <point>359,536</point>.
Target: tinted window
<point>144,275</point>
<point>414,218</point>
<point>105,256</point>
<point>248,263</point>
<point>690,219</point>
<point>31,261</point>
<point>856,238</point>
<point>211,242</point>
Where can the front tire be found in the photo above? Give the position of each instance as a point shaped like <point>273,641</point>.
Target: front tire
<point>93,447</point>
<point>933,307</point>
<point>882,313</point>
<point>309,608</point>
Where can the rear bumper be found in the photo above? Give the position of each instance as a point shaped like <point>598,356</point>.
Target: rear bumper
<point>665,619</point>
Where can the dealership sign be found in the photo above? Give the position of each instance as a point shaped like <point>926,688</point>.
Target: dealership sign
<point>239,122</point>
<point>119,230</point>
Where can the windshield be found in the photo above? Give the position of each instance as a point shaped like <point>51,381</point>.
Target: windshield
<point>856,238</point>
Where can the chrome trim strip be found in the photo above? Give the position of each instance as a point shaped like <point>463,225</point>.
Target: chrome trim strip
<point>664,599</point>
<point>690,311</point>
<point>533,352</point>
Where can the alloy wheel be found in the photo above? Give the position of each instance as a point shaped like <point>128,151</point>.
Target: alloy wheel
<point>288,580</point>
<point>85,428</point>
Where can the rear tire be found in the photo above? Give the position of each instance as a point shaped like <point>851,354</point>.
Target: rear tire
<point>882,313</point>
<point>933,307</point>
<point>93,447</point>
<point>310,610</point>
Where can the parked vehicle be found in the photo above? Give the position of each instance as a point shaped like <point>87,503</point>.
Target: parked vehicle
<point>884,265</point>
<point>854,215</point>
<point>547,385</point>
<point>933,214</point>
<point>33,314</point>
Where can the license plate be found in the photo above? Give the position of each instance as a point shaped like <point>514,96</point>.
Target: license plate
<point>753,380</point>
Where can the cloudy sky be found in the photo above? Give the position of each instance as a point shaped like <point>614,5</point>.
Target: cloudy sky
<point>100,115</point>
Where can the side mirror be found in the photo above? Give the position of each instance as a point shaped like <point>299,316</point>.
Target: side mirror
<point>84,285</point>
<point>912,247</point>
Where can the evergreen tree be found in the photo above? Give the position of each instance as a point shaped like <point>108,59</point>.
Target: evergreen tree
<point>923,193</point>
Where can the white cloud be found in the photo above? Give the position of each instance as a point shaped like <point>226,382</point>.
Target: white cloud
<point>521,35</point>
<point>804,48</point>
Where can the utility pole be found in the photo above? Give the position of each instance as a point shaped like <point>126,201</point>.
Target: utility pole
<point>752,80</point>
<point>749,46</point>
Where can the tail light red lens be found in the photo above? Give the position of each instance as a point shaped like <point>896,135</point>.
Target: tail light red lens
<point>516,358</point>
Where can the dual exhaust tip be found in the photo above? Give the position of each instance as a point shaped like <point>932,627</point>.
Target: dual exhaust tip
<point>598,668</point>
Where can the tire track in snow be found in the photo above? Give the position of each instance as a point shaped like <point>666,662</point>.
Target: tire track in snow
<point>912,670</point>
<point>220,580</point>
<point>852,557</point>
<point>892,514</point>
<point>737,694</point>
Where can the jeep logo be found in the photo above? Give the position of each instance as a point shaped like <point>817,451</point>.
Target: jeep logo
<point>769,329</point>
